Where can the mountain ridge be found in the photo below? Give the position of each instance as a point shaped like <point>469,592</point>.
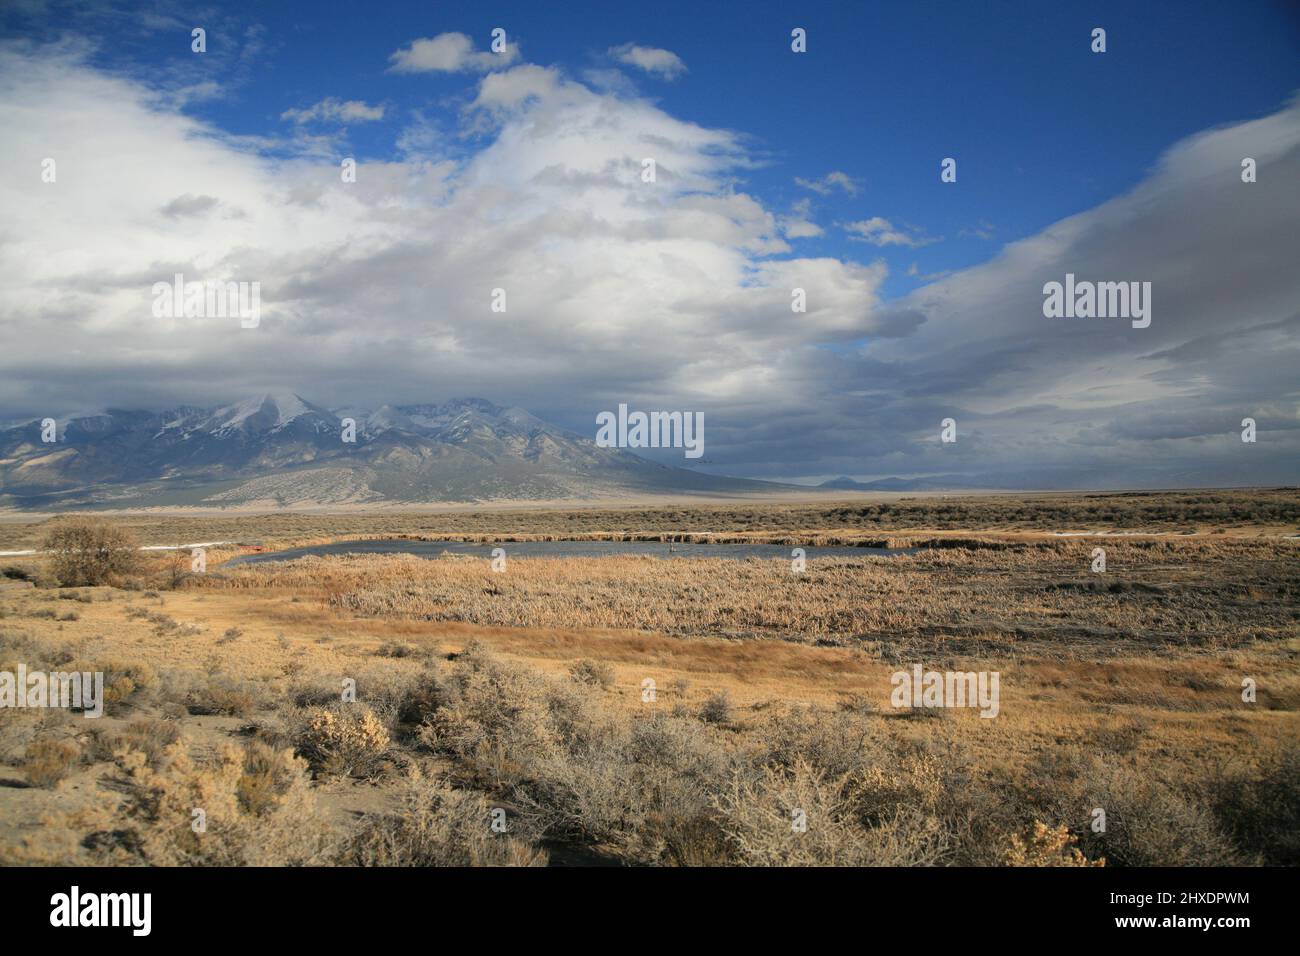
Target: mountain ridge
<point>280,448</point>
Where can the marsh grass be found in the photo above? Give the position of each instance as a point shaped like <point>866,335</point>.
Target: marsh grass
<point>1122,692</point>
<point>1197,592</point>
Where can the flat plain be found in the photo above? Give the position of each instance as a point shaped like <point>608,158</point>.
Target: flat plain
<point>633,710</point>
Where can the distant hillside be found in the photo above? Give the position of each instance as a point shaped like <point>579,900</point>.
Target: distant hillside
<point>280,450</point>
<point>933,483</point>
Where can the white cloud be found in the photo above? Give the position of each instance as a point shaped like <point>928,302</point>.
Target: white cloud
<point>881,232</point>
<point>798,224</point>
<point>662,63</point>
<point>449,53</point>
<point>829,183</point>
<point>517,86</point>
<point>914,272</point>
<point>671,294</point>
<point>335,110</point>
<point>380,289</point>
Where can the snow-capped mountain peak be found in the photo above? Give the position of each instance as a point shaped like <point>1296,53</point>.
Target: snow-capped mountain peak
<point>271,412</point>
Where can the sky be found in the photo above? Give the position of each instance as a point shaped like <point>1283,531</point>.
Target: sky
<point>774,170</point>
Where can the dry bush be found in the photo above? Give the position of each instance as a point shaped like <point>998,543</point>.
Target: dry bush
<point>153,738</point>
<point>716,709</point>
<point>440,826</point>
<point>173,571</point>
<point>1260,807</point>
<point>348,740</point>
<point>760,815</point>
<point>579,770</point>
<point>126,683</point>
<point>495,717</point>
<point>258,810</point>
<point>837,743</point>
<point>1047,846</point>
<point>663,789</point>
<point>39,574</point>
<point>641,791</point>
<point>388,692</point>
<point>595,673</point>
<point>1149,821</point>
<point>47,761</point>
<point>91,551</point>
<point>226,696</point>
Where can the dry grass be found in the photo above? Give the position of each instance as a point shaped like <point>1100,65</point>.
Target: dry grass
<point>1198,592</point>
<point>1243,510</point>
<point>520,698</point>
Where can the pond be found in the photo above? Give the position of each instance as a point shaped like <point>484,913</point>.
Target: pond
<point>563,549</point>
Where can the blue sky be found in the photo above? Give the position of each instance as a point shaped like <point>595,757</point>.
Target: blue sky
<point>1040,125</point>
<point>817,170</point>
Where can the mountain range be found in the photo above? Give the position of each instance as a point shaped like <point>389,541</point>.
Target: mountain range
<point>933,483</point>
<point>280,450</point>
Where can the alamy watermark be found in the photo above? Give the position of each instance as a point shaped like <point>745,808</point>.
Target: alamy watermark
<point>921,688</point>
<point>1098,300</point>
<point>210,299</point>
<point>80,690</point>
<point>133,910</point>
<point>652,430</point>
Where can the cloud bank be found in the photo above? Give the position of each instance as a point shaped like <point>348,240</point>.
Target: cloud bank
<point>674,293</point>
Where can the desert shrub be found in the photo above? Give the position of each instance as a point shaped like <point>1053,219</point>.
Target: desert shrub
<point>47,760</point>
<point>641,790</point>
<point>595,673</point>
<point>914,780</point>
<point>441,826</point>
<point>495,718</point>
<point>349,741</point>
<point>424,695</point>
<point>163,623</point>
<point>837,742</point>
<point>891,783</point>
<point>19,646</point>
<point>802,816</point>
<point>716,709</point>
<point>225,696</point>
<point>153,738</point>
<point>577,769</point>
<point>1042,845</point>
<point>1149,821</point>
<point>126,684</point>
<point>1260,807</point>
<point>387,692</point>
<point>91,551</point>
<point>257,806</point>
<point>269,776</point>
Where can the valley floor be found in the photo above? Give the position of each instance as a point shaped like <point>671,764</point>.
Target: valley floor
<point>628,710</point>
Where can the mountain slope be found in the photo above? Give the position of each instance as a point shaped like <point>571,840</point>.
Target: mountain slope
<point>281,449</point>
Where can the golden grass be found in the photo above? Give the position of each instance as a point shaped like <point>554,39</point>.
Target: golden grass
<point>1240,511</point>
<point>523,691</point>
<point>1192,592</point>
